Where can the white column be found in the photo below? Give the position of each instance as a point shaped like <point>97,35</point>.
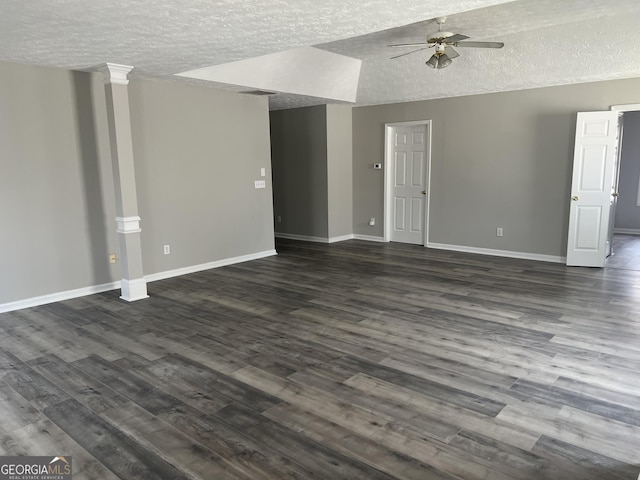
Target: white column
<point>134,286</point>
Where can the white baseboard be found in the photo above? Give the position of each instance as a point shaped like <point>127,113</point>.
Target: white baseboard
<point>137,293</point>
<point>627,231</point>
<point>343,238</point>
<point>308,238</point>
<point>368,238</point>
<point>208,266</point>
<point>58,297</point>
<point>499,253</point>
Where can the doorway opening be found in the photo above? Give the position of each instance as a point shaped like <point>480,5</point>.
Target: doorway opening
<point>626,223</point>
<point>407,177</point>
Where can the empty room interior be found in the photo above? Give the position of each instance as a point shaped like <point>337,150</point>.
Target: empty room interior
<point>320,240</point>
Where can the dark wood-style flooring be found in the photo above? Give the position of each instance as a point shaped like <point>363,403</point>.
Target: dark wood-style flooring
<point>346,361</point>
<point>626,252</point>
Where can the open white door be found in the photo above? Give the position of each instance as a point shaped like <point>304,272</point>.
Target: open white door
<point>591,188</point>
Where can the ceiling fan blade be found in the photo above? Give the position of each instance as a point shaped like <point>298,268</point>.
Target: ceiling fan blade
<point>409,53</point>
<point>409,44</point>
<point>455,38</point>
<point>479,44</point>
<point>451,53</point>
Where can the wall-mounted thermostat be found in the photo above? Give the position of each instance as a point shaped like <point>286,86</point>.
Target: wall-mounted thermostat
<point>377,166</point>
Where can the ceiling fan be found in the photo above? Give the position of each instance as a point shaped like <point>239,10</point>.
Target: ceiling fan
<point>444,43</point>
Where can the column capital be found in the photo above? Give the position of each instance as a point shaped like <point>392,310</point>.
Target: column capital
<point>114,73</point>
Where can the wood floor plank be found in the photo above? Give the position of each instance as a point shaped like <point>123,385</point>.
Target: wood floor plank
<point>32,386</point>
<point>224,363</point>
<point>619,379</point>
<point>558,396</point>
<point>346,441</point>
<point>168,443</point>
<point>512,461</point>
<point>45,438</point>
<point>463,382</point>
<point>192,422</point>
<point>458,397</point>
<point>405,419</point>
<point>369,425</point>
<point>77,384</point>
<point>238,451</point>
<point>182,370</point>
<point>117,451</point>
<point>17,412</point>
<point>570,458</point>
<point>599,393</point>
<point>453,414</point>
<point>587,431</point>
<point>316,457</point>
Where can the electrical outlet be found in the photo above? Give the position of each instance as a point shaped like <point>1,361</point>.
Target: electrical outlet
<point>499,232</point>
<point>167,249</point>
<point>112,258</point>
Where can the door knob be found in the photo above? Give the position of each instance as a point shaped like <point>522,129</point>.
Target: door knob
<point>575,198</point>
<point>424,192</point>
<point>615,194</point>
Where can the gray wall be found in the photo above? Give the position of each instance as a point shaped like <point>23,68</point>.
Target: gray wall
<point>57,215</point>
<point>498,160</point>
<point>627,210</point>
<point>197,154</point>
<point>299,158</point>
<point>312,171</point>
<point>340,169</point>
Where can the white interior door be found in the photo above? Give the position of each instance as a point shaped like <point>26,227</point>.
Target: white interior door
<point>408,188</point>
<point>592,188</point>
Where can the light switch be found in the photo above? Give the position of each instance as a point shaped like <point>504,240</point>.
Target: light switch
<point>260,184</point>
<point>263,172</point>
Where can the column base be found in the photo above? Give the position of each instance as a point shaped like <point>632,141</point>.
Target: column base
<point>133,290</point>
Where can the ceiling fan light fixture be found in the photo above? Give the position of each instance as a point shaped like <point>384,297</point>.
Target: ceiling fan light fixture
<point>439,61</point>
<point>444,61</point>
<point>432,62</point>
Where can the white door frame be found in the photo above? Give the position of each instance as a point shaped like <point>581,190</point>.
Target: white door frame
<point>631,107</point>
<point>388,177</point>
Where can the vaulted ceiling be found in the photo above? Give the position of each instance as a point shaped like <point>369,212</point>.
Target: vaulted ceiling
<point>547,42</point>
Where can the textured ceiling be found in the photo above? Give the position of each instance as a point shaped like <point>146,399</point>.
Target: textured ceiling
<point>547,42</point>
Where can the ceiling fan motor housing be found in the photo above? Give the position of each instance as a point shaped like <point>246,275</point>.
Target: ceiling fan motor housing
<point>438,37</point>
